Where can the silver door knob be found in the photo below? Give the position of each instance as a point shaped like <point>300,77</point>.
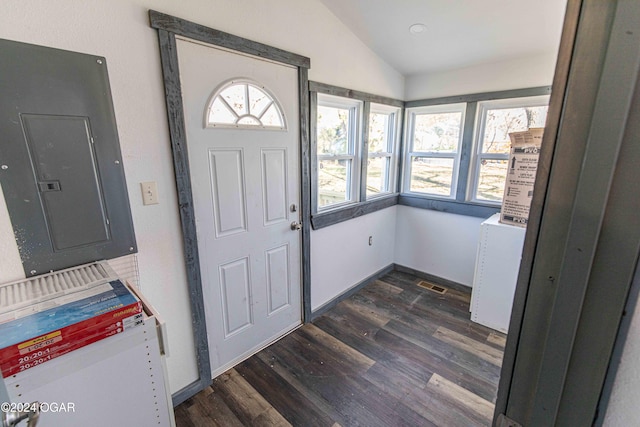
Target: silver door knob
<point>295,225</point>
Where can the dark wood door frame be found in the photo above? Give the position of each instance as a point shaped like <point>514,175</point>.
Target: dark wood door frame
<point>583,238</point>
<point>168,28</point>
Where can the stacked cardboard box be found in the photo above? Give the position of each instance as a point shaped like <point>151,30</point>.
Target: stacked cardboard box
<point>521,175</point>
<point>84,317</point>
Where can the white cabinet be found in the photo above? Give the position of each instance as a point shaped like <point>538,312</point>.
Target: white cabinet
<point>496,273</point>
<point>118,381</point>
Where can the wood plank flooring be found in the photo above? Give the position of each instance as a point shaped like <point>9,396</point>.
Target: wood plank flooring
<point>394,354</point>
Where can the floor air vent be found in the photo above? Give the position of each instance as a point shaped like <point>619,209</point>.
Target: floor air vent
<point>433,288</point>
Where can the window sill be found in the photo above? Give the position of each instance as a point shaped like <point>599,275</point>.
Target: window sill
<point>449,206</point>
<point>335,216</point>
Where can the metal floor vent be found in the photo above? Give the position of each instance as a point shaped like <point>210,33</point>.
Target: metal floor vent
<point>50,289</point>
<point>433,288</point>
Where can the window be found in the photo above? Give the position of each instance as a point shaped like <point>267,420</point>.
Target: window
<point>354,143</point>
<point>338,129</point>
<point>433,149</point>
<point>457,148</point>
<point>241,103</point>
<point>381,150</point>
<point>454,159</point>
<point>495,120</point>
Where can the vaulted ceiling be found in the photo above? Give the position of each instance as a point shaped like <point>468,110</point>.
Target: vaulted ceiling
<point>455,33</point>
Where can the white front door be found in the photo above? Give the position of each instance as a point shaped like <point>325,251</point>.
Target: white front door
<point>245,185</point>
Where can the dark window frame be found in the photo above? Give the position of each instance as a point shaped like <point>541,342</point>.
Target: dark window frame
<point>460,205</point>
<point>362,206</point>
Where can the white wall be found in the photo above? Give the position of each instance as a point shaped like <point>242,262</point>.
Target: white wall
<point>341,256</point>
<point>437,243</point>
<point>119,30</point>
<point>517,73</point>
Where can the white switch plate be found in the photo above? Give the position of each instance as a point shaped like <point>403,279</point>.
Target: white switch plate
<point>149,193</point>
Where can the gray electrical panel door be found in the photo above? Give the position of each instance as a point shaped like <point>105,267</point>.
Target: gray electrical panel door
<point>60,163</point>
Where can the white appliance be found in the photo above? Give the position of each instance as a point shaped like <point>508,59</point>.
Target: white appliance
<point>496,273</point>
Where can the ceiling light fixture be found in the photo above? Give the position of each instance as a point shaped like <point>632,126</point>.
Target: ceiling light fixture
<point>417,28</point>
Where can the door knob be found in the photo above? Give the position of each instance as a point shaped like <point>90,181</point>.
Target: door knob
<point>295,225</point>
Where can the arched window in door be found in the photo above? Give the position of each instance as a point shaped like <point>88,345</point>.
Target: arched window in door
<point>242,103</point>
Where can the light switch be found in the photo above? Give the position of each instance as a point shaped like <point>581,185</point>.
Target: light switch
<point>149,193</point>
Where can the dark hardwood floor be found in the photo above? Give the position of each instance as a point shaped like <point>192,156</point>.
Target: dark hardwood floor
<point>394,354</point>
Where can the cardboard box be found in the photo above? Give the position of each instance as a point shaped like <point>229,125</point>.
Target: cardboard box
<point>521,176</point>
<point>66,344</point>
<point>67,325</point>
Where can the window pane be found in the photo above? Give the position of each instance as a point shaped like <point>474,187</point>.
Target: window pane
<point>258,101</point>
<point>431,175</point>
<point>437,132</point>
<point>248,120</point>
<point>377,175</point>
<point>333,185</point>
<point>219,113</point>
<point>493,174</point>
<point>272,117</point>
<point>244,105</point>
<point>333,130</point>
<point>236,98</point>
<point>499,122</point>
<point>379,132</point>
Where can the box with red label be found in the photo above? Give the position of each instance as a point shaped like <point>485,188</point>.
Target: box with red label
<point>59,343</point>
<point>89,315</point>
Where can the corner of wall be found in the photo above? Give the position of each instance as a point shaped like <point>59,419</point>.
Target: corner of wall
<point>518,73</point>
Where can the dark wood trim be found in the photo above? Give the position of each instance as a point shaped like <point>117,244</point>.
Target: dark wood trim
<point>185,393</point>
<point>466,152</point>
<point>326,219</point>
<point>348,293</point>
<point>205,34</point>
<point>313,147</point>
<point>305,190</point>
<point>354,94</point>
<point>364,151</point>
<point>177,133</point>
<point>432,278</point>
<point>400,153</point>
<point>449,206</point>
<point>484,96</point>
<point>168,27</point>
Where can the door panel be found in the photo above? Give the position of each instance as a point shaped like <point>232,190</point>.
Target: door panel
<point>236,295</point>
<point>244,182</point>
<point>227,183</point>
<point>274,185</point>
<point>278,283</point>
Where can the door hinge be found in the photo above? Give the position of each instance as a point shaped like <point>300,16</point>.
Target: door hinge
<point>504,421</point>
